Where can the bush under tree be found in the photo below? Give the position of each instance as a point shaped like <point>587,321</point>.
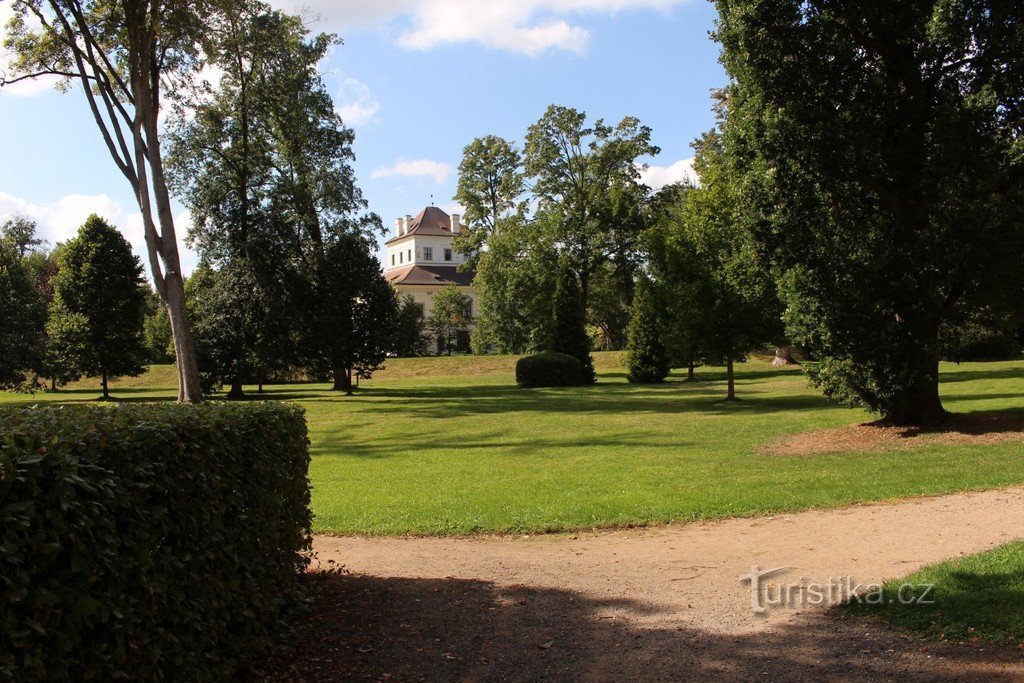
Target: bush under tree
<point>551,369</point>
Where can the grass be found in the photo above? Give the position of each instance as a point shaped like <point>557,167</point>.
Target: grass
<point>978,596</point>
<point>450,446</point>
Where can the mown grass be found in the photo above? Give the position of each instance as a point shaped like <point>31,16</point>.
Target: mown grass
<point>421,450</point>
<point>978,596</point>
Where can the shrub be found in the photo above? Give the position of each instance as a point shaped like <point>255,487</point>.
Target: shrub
<point>148,541</point>
<point>551,369</point>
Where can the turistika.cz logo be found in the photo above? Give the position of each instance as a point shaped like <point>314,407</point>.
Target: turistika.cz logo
<point>767,594</point>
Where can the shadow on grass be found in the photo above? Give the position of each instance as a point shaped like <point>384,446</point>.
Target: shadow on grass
<point>379,628</point>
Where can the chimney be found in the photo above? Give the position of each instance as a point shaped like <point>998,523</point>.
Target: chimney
<point>456,225</point>
<point>408,223</point>
<point>398,227</point>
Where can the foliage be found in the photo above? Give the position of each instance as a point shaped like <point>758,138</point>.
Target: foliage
<point>149,542</point>
<point>490,186</point>
<point>514,278</point>
<point>100,283</point>
<point>608,305</point>
<point>587,206</point>
<point>410,328</point>
<point>264,164</point>
<point>551,369</point>
<point>646,359</point>
<point>880,157</point>
<point>156,331</point>
<point>19,340</point>
<point>450,313</point>
<point>568,321</point>
<point>20,232</point>
<point>984,335</point>
<point>352,327</point>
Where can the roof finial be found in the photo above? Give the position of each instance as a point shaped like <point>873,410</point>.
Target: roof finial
<point>431,200</point>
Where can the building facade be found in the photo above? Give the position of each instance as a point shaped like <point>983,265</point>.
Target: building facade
<point>420,260</point>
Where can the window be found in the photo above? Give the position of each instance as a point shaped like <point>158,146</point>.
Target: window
<point>410,256</point>
<point>392,260</point>
<point>447,254</point>
<point>468,313</point>
<point>400,257</point>
<point>420,310</point>
<point>428,253</point>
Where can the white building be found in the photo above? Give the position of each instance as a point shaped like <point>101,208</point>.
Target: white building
<point>420,261</point>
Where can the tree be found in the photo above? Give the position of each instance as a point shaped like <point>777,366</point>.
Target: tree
<point>353,326</point>
<point>122,55</point>
<point>20,231</point>
<point>646,357</point>
<point>101,288</point>
<point>490,186</point>
<point>157,330</point>
<point>726,301</point>
<point>18,331</point>
<point>410,329</point>
<point>569,321</point>
<point>878,149</point>
<point>450,313</point>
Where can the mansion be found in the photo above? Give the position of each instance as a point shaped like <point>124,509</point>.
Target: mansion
<point>420,261</point>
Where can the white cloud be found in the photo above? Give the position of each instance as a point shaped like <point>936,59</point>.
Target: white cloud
<point>437,170</point>
<point>356,103</point>
<point>657,177</point>
<point>59,221</point>
<point>528,27</point>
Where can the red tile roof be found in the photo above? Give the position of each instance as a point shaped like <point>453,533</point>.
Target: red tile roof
<point>430,221</point>
<point>429,275</point>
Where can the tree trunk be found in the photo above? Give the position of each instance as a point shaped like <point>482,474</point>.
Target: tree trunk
<point>348,381</point>
<point>189,388</point>
<point>342,380</point>
<point>53,384</point>
<point>106,388</point>
<point>784,356</point>
<point>237,392</point>
<point>690,376</point>
<point>922,406</point>
<point>731,376</point>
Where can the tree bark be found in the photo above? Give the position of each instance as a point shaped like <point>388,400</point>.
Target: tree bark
<point>237,391</point>
<point>921,406</point>
<point>690,376</point>
<point>784,356</point>
<point>342,379</point>
<point>731,377</point>
<point>106,387</point>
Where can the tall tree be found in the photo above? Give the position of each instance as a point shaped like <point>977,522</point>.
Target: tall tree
<point>19,341</point>
<point>353,325</point>
<point>410,328</point>
<point>490,188</point>
<point>726,300</point>
<point>646,358</point>
<point>100,283</point>
<point>450,313</point>
<point>123,55</point>
<point>569,320</point>
<point>20,231</point>
<point>879,148</point>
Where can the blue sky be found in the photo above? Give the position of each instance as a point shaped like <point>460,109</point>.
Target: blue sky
<point>417,79</point>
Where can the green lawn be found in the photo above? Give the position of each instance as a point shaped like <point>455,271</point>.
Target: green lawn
<point>979,596</point>
<point>419,451</point>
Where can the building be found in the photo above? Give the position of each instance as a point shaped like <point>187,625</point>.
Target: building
<point>420,261</point>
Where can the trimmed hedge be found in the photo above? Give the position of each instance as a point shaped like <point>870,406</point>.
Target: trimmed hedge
<point>551,369</point>
<point>149,541</point>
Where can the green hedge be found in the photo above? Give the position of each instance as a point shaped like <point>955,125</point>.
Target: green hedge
<point>550,369</point>
<point>150,541</point>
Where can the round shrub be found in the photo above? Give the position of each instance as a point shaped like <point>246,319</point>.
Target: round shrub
<point>550,370</point>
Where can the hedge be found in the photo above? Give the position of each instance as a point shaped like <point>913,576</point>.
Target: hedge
<point>149,541</point>
<point>550,369</point>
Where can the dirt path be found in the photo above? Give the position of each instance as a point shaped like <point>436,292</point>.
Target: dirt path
<point>663,603</point>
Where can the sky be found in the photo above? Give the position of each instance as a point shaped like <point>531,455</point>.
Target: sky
<point>417,80</point>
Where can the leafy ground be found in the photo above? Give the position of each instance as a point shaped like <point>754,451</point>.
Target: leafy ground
<point>975,597</point>
<point>451,446</point>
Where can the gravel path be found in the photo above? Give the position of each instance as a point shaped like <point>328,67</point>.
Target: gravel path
<point>650,604</point>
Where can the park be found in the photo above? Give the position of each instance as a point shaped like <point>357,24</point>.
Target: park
<point>589,410</point>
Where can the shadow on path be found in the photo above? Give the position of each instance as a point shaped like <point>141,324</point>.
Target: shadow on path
<point>366,627</point>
